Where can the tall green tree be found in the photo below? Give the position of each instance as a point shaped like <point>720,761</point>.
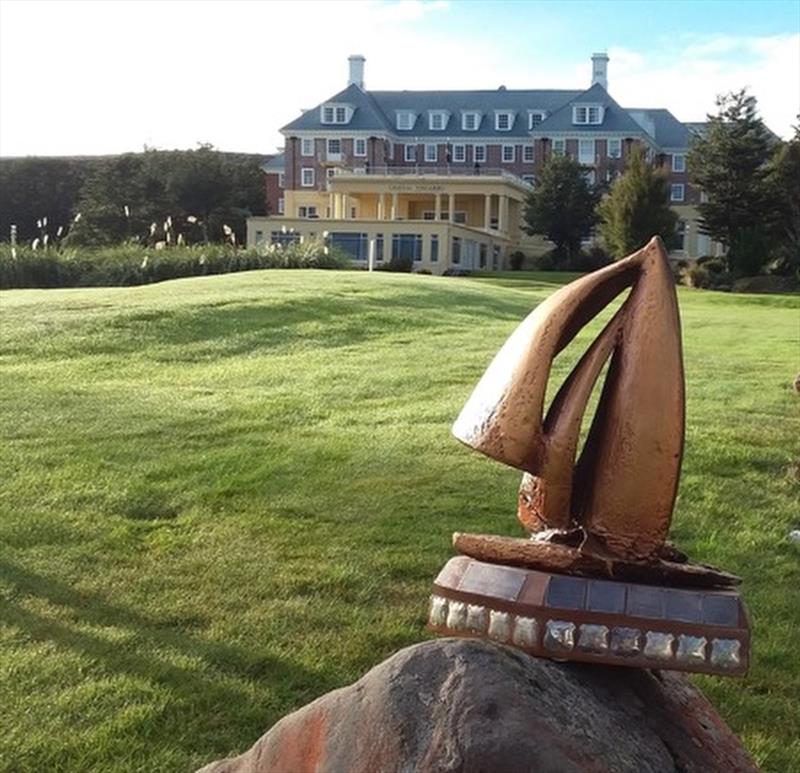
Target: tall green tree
<point>201,193</point>
<point>637,208</point>
<point>729,162</point>
<point>783,179</point>
<point>37,188</point>
<point>561,206</point>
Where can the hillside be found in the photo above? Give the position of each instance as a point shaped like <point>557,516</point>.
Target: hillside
<point>223,496</point>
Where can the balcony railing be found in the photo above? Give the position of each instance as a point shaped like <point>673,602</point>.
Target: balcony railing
<point>454,170</point>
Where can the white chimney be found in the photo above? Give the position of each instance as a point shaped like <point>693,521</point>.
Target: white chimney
<point>356,70</point>
<point>600,70</point>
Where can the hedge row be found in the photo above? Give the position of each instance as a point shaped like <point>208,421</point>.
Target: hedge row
<point>134,265</point>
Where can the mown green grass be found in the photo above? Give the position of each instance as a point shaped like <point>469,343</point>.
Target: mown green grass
<point>224,496</point>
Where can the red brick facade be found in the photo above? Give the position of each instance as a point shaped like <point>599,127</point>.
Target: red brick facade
<point>379,154</point>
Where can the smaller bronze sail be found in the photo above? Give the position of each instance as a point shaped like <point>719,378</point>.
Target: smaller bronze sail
<point>621,492</point>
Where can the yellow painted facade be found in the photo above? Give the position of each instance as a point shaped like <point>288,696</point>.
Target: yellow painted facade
<point>474,220</point>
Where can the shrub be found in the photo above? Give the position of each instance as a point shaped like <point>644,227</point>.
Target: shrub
<point>516,259</point>
<point>545,262</point>
<point>402,265</point>
<point>596,258</point>
<point>130,264</point>
<point>697,276</point>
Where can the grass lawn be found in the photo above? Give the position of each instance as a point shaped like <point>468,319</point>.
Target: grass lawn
<point>221,497</point>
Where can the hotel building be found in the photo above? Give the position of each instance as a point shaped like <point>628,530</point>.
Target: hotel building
<point>441,177</point>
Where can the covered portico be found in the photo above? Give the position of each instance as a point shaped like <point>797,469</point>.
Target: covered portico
<point>491,201</point>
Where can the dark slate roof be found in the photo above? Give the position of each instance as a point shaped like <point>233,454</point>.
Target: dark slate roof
<point>615,118</point>
<point>274,164</point>
<point>456,102</point>
<point>377,110</point>
<point>367,116</point>
<point>667,130</point>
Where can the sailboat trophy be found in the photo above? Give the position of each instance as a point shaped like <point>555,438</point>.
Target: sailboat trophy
<point>595,580</point>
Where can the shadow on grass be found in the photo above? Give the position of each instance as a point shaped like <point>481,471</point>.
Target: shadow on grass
<point>338,321</point>
<point>193,687</point>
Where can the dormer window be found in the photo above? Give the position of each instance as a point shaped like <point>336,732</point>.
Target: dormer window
<point>437,120</point>
<point>535,117</point>
<point>587,114</point>
<point>406,120</point>
<point>470,121</point>
<point>503,120</point>
<point>332,114</point>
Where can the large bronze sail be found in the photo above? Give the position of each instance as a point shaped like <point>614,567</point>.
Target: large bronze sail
<point>621,491</point>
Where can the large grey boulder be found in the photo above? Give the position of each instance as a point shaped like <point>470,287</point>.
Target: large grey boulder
<point>472,706</point>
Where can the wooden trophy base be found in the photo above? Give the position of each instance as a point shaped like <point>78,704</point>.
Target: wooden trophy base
<point>593,620</point>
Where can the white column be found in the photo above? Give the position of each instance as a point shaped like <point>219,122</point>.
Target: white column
<point>502,214</point>
<point>394,206</point>
<point>487,211</point>
<point>332,204</point>
<point>451,203</point>
<point>371,254</point>
<point>438,207</point>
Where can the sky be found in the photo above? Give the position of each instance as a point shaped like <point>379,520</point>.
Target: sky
<point>95,77</point>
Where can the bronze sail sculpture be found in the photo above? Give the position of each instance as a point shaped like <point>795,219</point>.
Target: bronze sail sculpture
<point>598,522</point>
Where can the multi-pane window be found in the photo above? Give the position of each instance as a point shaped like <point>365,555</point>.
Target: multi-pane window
<point>359,146</point>
<point>310,212</point>
<point>411,153</point>
<point>282,238</point>
<point>437,119</point>
<point>677,192</point>
<point>455,250</point>
<point>680,234</point>
<point>615,147</point>
<point>469,121</point>
<point>479,154</point>
<point>280,206</point>
<point>334,147</point>
<point>379,247</point>
<point>508,154</point>
<point>356,245</point>
<point>431,153</point>
<point>502,121</point>
<point>559,147</point>
<point>434,248</point>
<point>586,114</point>
<point>527,153</point>
<point>529,178</point>
<point>678,162</point>
<point>586,151</point>
<point>307,146</point>
<point>335,114</point>
<point>459,153</point>
<point>307,177</point>
<point>535,117</point>
<point>407,246</point>
<point>405,120</point>
<point>281,180</point>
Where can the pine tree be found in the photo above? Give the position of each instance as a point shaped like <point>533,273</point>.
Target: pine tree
<point>783,179</point>
<point>637,208</point>
<point>562,205</point>
<point>729,164</point>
